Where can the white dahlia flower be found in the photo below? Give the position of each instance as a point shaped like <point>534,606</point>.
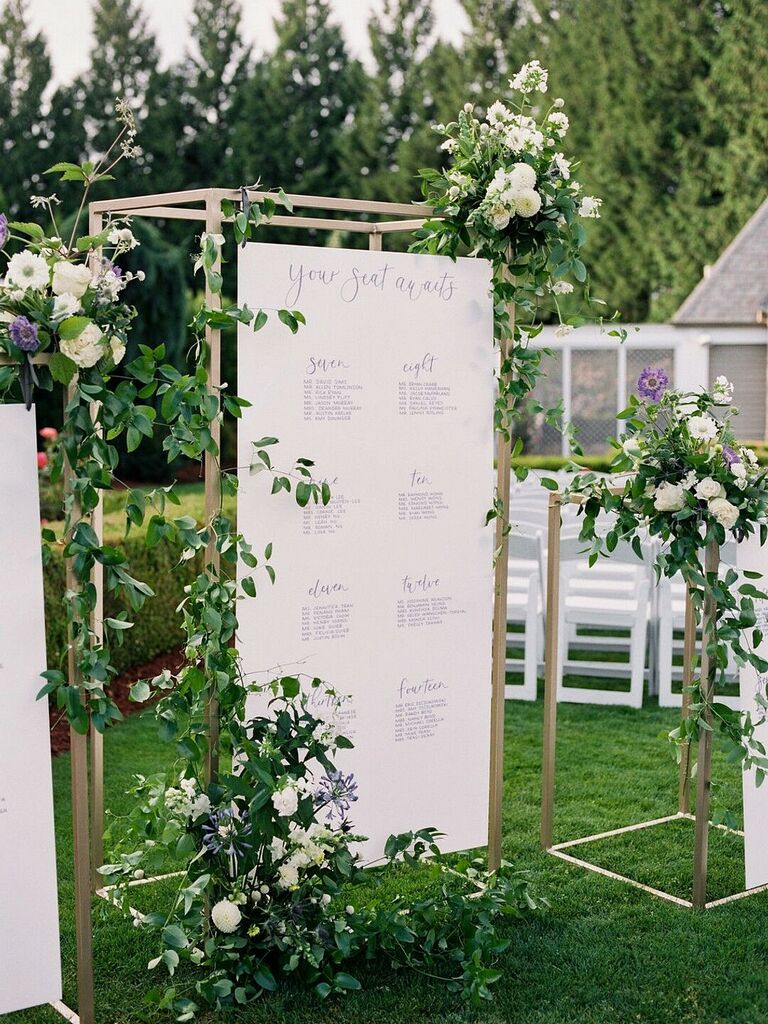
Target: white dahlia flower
<point>226,916</point>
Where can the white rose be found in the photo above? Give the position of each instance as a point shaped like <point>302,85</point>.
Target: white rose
<point>117,348</point>
<point>287,876</point>
<point>70,279</point>
<point>499,217</point>
<point>669,497</point>
<point>708,488</point>
<point>632,446</point>
<point>202,805</point>
<point>739,470</point>
<point>27,270</point>
<point>226,916</point>
<point>703,427</point>
<point>522,176</point>
<point>527,202</point>
<point>285,801</point>
<point>87,348</point>
<point>724,512</point>
<point>64,306</point>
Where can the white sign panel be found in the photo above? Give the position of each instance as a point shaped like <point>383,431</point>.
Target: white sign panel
<point>387,593</point>
<point>753,557</point>
<point>30,969</point>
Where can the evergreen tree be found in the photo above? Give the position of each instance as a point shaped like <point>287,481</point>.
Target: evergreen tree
<point>215,72</point>
<point>26,72</point>
<point>124,61</point>
<point>634,124</point>
<point>396,102</point>
<point>724,173</point>
<point>299,105</point>
<point>495,45</point>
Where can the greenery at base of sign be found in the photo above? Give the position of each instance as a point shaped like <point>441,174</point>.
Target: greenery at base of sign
<point>273,889</point>
<point>690,483</point>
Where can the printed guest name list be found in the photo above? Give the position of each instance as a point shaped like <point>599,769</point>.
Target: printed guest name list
<point>387,592</point>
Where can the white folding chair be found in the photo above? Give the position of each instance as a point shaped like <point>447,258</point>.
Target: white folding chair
<point>614,596</point>
<point>525,607</point>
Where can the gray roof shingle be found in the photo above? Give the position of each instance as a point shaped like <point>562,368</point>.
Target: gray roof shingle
<point>735,291</point>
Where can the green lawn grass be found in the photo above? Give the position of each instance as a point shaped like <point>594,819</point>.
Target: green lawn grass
<point>604,953</point>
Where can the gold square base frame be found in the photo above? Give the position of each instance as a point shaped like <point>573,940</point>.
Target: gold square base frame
<point>700,819</point>
<point>558,851</point>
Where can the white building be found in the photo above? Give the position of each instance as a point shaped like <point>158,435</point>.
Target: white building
<point>721,328</point>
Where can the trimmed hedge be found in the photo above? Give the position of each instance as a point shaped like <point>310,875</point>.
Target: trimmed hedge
<point>598,463</point>
<point>553,463</point>
<point>157,625</point>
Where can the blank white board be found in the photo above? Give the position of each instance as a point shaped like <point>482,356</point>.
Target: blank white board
<point>388,592</point>
<point>30,966</point>
<point>752,556</point>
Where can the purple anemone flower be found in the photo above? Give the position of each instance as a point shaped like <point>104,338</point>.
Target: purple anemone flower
<point>337,792</point>
<point>24,334</point>
<point>4,230</point>
<point>730,456</point>
<point>652,383</point>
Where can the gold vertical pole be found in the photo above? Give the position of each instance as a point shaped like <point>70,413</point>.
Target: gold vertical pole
<point>80,824</point>
<point>689,648</point>
<point>499,652</point>
<point>97,626</point>
<point>213,223</point>
<point>550,671</point>
<point>375,238</point>
<point>704,760</point>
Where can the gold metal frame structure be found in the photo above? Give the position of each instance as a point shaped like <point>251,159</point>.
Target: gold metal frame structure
<point>700,818</point>
<point>374,219</point>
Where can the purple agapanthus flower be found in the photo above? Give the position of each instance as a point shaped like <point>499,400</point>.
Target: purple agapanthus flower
<point>4,230</point>
<point>222,833</point>
<point>24,334</point>
<point>336,792</point>
<point>730,456</point>
<point>652,383</point>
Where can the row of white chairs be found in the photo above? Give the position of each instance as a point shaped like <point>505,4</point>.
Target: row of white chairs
<point>614,610</point>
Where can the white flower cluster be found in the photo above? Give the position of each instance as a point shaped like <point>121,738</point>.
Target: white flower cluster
<point>305,848</point>
<point>740,464</point>
<point>516,132</point>
<point>511,193</point>
<point>722,391</point>
<point>187,801</point>
<point>530,78</point>
<point>69,284</point>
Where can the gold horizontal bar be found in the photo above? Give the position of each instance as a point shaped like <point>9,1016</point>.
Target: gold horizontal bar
<point>168,212</point>
<point>334,203</point>
<point>402,225</point>
<point>140,202</point>
<point>42,360</point>
<point>319,223</point>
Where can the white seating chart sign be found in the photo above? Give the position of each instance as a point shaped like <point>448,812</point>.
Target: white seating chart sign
<point>387,593</point>
<point>30,968</point>
<point>752,556</point>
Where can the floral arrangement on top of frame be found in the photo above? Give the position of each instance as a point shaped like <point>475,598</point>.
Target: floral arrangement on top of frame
<point>691,483</point>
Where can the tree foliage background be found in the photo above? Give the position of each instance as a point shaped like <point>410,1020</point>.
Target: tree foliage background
<point>668,101</point>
